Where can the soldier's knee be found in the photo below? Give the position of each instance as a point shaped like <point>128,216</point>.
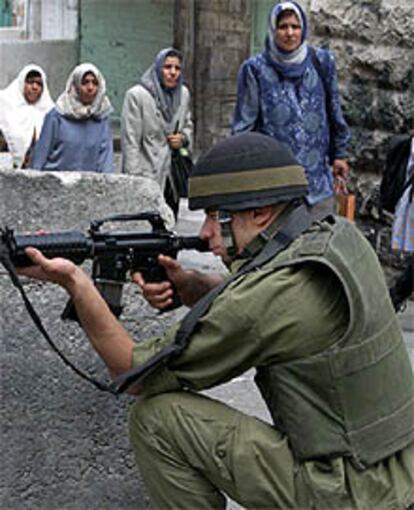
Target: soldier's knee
<point>150,416</point>
<point>143,410</point>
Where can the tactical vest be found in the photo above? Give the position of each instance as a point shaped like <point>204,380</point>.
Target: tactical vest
<point>356,398</point>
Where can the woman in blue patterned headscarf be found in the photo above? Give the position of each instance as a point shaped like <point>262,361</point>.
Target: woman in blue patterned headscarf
<point>290,92</point>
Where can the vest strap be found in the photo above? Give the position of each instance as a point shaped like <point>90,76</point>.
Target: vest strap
<point>295,223</point>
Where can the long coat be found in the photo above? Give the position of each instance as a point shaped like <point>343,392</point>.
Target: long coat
<point>144,134</point>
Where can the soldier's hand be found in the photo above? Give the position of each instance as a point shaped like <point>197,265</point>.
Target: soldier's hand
<point>190,285</point>
<point>57,270</point>
<point>160,295</point>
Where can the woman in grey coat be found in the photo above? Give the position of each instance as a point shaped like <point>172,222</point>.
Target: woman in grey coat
<point>156,118</point>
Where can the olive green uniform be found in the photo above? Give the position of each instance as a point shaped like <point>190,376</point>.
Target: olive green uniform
<point>291,316</point>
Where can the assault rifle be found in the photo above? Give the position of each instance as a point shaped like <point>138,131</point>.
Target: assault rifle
<point>114,253</point>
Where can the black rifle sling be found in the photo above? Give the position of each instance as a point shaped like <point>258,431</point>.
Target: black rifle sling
<point>5,260</point>
<point>294,225</point>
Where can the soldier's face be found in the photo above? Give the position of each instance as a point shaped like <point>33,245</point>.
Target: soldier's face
<point>288,33</point>
<point>242,226</point>
<point>211,232</point>
<point>171,72</point>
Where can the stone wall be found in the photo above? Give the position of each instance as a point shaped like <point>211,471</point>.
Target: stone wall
<point>374,48</point>
<point>215,34</point>
<point>222,42</point>
<point>64,443</point>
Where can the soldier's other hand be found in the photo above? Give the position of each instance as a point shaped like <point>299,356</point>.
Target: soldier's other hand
<point>159,295</point>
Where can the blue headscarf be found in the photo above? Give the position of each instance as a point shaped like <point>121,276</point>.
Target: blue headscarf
<point>168,100</point>
<point>291,64</point>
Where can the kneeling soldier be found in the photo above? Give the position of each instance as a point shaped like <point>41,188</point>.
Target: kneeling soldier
<point>308,307</point>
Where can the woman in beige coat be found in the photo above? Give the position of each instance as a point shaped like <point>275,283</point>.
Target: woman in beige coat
<point>156,118</point>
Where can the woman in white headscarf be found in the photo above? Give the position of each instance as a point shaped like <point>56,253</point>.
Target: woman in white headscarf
<point>156,118</point>
<point>77,135</point>
<point>23,106</point>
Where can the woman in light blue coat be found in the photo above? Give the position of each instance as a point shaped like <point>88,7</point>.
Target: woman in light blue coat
<point>76,135</point>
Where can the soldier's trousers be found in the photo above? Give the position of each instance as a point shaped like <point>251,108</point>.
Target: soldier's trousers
<point>191,450</point>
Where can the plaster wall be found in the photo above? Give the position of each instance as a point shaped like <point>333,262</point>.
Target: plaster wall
<point>57,58</point>
<point>124,39</point>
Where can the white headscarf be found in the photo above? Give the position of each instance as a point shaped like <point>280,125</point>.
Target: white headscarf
<point>69,103</point>
<point>292,63</point>
<point>20,121</point>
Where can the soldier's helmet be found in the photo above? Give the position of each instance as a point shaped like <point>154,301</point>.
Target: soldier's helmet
<point>245,171</point>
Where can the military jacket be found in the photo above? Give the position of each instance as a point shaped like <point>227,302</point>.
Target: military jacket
<point>296,308</point>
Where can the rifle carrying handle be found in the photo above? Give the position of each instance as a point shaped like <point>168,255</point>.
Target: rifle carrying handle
<point>154,218</point>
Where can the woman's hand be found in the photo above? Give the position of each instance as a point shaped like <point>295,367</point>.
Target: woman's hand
<point>340,168</point>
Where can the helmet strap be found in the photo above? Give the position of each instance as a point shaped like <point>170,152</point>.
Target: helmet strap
<point>225,221</point>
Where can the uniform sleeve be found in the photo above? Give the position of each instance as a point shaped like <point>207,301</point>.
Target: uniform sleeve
<point>46,141</point>
<point>246,112</point>
<point>263,319</point>
<point>131,134</point>
<point>106,156</point>
<point>339,129</point>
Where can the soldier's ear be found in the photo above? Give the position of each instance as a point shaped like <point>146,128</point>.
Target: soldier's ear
<point>262,215</point>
